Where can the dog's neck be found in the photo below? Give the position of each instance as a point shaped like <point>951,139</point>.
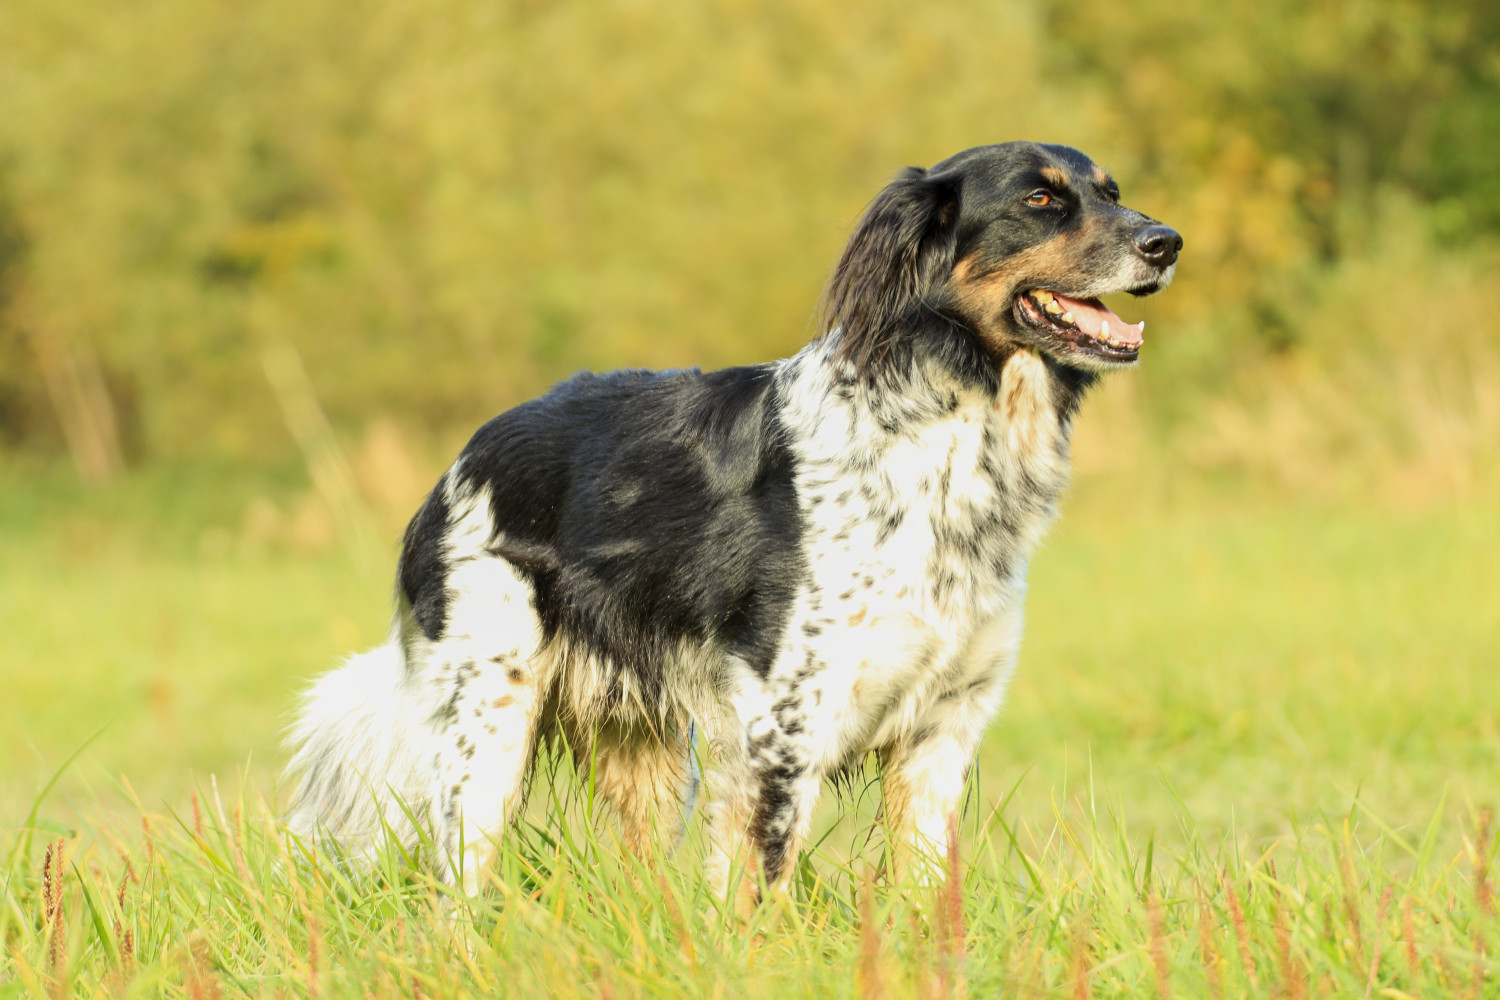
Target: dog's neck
<point>924,378</point>
<point>1023,401</point>
<point>978,458</point>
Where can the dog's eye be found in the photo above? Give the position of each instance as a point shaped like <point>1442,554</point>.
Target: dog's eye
<point>1039,198</point>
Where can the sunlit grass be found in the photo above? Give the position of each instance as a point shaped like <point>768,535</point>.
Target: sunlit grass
<point>1253,735</point>
<point>219,901</point>
<point>1226,704</point>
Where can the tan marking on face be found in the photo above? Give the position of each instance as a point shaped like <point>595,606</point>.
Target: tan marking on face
<point>1046,266</point>
<point>1101,176</point>
<point>1055,177</point>
<point>986,298</point>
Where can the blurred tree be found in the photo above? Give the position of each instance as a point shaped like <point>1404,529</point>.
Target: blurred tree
<point>69,370</point>
<point>448,204</point>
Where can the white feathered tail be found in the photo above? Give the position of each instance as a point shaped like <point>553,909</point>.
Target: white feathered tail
<point>362,755</point>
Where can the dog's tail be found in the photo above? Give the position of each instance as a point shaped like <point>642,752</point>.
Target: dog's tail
<point>362,756</point>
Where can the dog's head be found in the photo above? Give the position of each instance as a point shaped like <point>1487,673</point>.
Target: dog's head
<point>1015,243</point>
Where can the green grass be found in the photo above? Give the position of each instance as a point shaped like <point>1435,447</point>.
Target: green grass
<point>217,901</point>
<point>1225,703</point>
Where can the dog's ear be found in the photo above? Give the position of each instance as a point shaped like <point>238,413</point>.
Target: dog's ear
<point>900,253</point>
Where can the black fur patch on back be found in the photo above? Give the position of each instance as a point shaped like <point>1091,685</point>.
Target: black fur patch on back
<point>647,509</point>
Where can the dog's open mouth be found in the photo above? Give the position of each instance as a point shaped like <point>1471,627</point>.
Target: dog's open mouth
<point>1086,325</point>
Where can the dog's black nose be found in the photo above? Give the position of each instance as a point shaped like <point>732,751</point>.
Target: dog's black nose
<point>1159,244</point>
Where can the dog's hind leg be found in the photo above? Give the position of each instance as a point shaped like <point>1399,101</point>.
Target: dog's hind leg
<point>731,862</point>
<point>646,773</point>
<point>491,663</point>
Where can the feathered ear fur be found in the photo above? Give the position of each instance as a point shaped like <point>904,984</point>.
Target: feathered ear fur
<point>901,251</point>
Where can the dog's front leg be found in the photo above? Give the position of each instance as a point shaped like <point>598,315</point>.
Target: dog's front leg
<point>924,774</point>
<point>765,777</point>
<point>924,779</point>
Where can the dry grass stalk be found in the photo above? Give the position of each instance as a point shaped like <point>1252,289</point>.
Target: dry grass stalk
<point>124,936</point>
<point>1241,931</point>
<point>927,986</point>
<point>53,916</point>
<point>240,868</point>
<point>76,386</point>
<point>129,867</point>
<point>1158,945</point>
<point>202,984</point>
<point>1351,902</point>
<point>1293,984</point>
<point>1444,970</point>
<point>150,840</point>
<point>49,885</point>
<point>1409,935</point>
<point>299,894</point>
<point>1209,948</point>
<point>868,982</point>
<point>326,462</point>
<point>1381,914</point>
<point>950,924</point>
<point>197,817</point>
<point>1082,963</point>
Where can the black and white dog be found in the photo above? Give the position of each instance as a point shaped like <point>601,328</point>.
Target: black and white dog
<point>809,559</point>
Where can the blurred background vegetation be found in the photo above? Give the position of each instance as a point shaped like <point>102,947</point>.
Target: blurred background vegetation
<point>264,266</point>
<point>439,208</point>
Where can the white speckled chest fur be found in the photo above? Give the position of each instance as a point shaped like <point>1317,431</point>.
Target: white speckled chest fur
<point>917,543</point>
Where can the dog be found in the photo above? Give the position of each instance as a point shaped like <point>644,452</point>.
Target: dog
<point>808,560</point>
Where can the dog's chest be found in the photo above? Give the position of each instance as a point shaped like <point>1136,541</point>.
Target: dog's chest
<point>916,539</point>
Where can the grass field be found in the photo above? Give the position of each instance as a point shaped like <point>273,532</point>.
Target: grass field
<point>1249,751</point>
<point>264,266</point>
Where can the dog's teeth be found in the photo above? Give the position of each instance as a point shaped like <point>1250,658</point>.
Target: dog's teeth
<point>1054,308</point>
<point>1067,317</point>
<point>1104,331</point>
<point>1042,297</point>
<point>1140,327</point>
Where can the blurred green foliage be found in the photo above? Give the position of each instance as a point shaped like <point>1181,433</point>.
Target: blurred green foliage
<point>443,206</point>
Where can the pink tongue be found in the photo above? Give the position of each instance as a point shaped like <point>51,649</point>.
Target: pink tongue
<point>1091,318</point>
